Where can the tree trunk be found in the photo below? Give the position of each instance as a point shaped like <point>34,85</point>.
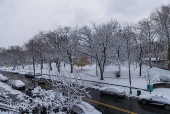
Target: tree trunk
<point>96,69</point>
<point>50,66</point>
<point>22,66</point>
<point>57,62</point>
<point>71,66</point>
<point>150,62</point>
<point>119,67</point>
<point>41,65</point>
<point>130,78</point>
<point>101,73</point>
<point>118,55</point>
<point>140,69</point>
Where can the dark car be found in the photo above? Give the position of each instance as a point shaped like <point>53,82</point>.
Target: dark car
<point>29,75</point>
<point>157,99</point>
<point>29,91</point>
<point>40,80</point>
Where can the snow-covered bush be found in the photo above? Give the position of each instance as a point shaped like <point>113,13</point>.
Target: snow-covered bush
<point>164,78</point>
<point>44,101</point>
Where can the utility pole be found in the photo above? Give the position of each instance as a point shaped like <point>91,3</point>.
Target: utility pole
<point>33,60</point>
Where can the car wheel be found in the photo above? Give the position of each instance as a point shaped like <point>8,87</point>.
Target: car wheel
<point>115,95</point>
<point>143,102</point>
<point>100,93</point>
<point>167,107</point>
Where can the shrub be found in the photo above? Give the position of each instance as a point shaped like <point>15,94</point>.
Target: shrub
<point>117,73</point>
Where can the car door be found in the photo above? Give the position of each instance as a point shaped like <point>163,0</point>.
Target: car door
<point>155,100</point>
<point>161,100</point>
<point>109,91</point>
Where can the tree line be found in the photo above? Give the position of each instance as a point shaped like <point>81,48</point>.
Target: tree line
<point>103,44</point>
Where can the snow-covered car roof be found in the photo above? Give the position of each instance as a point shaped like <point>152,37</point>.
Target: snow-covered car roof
<point>38,77</point>
<point>87,108</point>
<point>146,96</point>
<point>162,95</point>
<point>3,77</point>
<point>19,83</point>
<point>118,89</point>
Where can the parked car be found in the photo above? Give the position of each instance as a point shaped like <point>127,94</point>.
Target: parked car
<point>31,74</point>
<point>84,108</point>
<point>29,91</point>
<point>3,78</point>
<point>38,74</point>
<point>157,99</point>
<point>112,90</point>
<point>13,69</point>
<point>15,72</point>
<point>40,80</point>
<point>17,84</point>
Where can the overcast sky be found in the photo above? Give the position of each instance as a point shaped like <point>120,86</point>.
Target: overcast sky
<point>20,20</point>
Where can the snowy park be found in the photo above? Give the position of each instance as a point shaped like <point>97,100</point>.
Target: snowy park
<point>85,57</point>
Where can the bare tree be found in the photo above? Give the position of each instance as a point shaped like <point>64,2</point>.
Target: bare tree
<point>149,77</point>
<point>97,42</point>
<point>161,18</point>
<point>129,36</point>
<point>148,35</point>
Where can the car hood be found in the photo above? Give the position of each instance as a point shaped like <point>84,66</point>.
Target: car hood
<point>87,108</point>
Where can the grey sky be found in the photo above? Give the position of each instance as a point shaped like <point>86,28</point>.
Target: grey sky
<point>21,19</point>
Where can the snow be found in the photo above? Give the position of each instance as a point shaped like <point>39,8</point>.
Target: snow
<point>152,59</point>
<point>18,83</point>
<point>9,88</point>
<point>3,78</point>
<point>89,73</point>
<point>6,112</point>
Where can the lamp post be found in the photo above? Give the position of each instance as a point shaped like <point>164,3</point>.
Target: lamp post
<point>129,59</point>
<point>33,61</point>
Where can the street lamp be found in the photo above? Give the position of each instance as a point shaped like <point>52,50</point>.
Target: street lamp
<point>129,59</point>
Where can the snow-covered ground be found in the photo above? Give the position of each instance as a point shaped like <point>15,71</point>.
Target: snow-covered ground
<point>89,73</point>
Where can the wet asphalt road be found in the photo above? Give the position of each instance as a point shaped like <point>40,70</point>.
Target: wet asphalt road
<point>106,104</point>
<point>129,104</point>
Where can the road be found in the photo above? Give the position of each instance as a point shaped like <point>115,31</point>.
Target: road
<point>106,104</point>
